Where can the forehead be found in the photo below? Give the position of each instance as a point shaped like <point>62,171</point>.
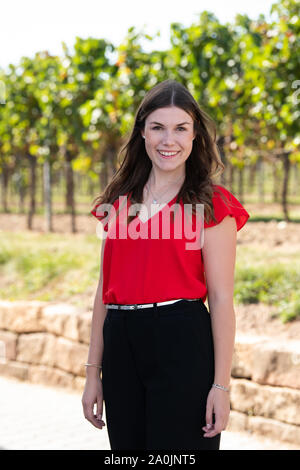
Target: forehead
<point>170,115</point>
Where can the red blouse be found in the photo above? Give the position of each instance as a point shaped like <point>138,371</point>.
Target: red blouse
<point>139,268</point>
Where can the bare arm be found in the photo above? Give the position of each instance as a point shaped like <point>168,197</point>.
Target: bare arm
<point>219,255</point>
<point>93,391</point>
<point>99,314</point>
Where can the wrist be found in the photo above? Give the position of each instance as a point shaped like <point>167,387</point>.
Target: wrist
<point>92,373</point>
<point>93,369</point>
<point>223,380</point>
<point>220,387</point>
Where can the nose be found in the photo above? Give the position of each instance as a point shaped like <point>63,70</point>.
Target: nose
<point>167,138</point>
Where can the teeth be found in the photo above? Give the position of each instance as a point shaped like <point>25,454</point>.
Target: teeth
<point>167,154</point>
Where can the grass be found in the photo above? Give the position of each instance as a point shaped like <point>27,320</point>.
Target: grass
<point>50,267</point>
<point>269,277</point>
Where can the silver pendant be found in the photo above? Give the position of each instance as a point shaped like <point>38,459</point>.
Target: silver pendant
<point>154,201</point>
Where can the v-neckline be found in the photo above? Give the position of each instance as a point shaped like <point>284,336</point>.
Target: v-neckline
<point>167,204</point>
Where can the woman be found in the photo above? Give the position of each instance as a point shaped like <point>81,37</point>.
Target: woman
<point>165,358</point>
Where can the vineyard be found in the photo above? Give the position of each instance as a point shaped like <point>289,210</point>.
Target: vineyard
<point>64,119</point>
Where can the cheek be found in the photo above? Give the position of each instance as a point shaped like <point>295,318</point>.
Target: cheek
<point>187,144</point>
<point>152,142</point>
<point>150,148</point>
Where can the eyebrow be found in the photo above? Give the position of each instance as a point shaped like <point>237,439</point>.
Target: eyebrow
<point>181,124</point>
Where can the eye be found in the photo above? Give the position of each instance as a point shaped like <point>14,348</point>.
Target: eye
<point>159,127</point>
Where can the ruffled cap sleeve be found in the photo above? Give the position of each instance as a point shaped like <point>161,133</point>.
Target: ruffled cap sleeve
<point>102,215</point>
<point>225,203</point>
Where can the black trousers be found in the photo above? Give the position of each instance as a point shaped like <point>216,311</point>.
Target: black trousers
<point>157,370</point>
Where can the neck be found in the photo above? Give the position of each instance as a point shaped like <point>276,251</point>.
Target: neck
<point>160,180</point>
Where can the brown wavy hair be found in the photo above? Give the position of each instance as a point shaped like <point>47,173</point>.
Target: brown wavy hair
<point>202,165</point>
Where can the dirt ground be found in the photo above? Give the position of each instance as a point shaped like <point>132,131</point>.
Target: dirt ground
<point>274,236</point>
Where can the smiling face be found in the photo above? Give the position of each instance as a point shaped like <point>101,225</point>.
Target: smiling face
<point>169,134</point>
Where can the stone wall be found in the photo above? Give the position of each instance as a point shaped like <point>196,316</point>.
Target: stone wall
<point>44,343</point>
<point>265,388</point>
<point>48,344</point>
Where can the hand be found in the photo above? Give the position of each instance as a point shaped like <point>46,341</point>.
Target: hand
<point>93,393</point>
<point>218,402</point>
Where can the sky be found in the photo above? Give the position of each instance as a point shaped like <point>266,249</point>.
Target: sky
<point>33,25</point>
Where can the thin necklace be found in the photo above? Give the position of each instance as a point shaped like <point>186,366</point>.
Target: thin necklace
<point>155,199</point>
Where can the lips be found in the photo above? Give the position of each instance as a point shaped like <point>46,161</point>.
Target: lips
<point>168,156</point>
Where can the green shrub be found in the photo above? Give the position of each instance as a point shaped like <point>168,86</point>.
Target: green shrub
<point>273,285</point>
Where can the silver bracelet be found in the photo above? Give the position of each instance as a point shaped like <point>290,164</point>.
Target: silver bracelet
<point>95,365</point>
<point>220,387</point>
